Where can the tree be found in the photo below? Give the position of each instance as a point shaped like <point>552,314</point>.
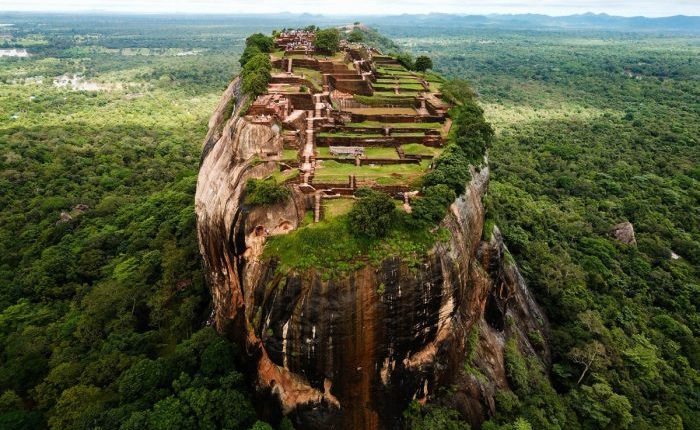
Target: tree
<point>218,358</point>
<point>432,418</point>
<point>19,419</point>
<point>255,84</point>
<point>260,41</point>
<point>457,91</point>
<point>10,401</point>
<point>405,59</point>
<point>328,40</point>
<point>286,424</point>
<point>261,425</point>
<point>372,215</point>
<point>171,413</point>
<point>257,64</point>
<point>601,408</point>
<point>356,36</point>
<point>141,379</point>
<point>78,408</point>
<point>248,53</point>
<point>588,356</point>
<point>256,75</point>
<point>522,424</point>
<point>471,131</point>
<point>423,63</point>
<point>451,169</point>
<point>431,208</point>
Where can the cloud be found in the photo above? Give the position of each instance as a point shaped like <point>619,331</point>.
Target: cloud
<point>367,7</point>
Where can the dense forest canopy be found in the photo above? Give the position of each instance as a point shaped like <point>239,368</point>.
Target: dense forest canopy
<point>103,306</point>
<point>594,129</point>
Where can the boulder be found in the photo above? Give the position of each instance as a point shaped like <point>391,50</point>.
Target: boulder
<point>624,232</point>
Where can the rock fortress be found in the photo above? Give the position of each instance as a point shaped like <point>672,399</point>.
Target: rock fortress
<point>340,331</point>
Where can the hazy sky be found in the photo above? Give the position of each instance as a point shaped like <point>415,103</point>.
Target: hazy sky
<point>364,7</point>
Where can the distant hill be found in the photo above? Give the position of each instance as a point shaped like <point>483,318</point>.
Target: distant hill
<point>679,23</point>
<point>587,21</point>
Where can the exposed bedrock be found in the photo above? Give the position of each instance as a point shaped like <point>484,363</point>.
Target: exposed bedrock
<point>352,352</point>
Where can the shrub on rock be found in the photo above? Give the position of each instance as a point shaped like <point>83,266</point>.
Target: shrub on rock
<point>372,215</point>
<point>430,209</point>
<point>265,192</point>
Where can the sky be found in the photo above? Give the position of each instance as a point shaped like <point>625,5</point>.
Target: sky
<point>653,8</point>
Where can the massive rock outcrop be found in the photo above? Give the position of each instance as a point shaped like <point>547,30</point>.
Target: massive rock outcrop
<point>352,352</point>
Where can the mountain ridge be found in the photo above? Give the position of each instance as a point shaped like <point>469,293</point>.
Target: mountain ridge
<point>589,20</point>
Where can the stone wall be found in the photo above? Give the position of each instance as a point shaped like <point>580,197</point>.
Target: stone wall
<point>352,86</point>
<point>357,117</point>
<point>378,161</point>
<point>303,101</point>
<point>382,141</point>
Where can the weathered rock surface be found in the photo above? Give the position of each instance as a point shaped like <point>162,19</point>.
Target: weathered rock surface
<point>624,232</point>
<point>344,353</point>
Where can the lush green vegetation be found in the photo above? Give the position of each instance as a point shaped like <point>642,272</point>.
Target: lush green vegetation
<point>372,37</point>
<point>592,129</point>
<point>103,309</point>
<point>420,149</point>
<point>370,153</point>
<point>328,40</point>
<point>333,247</point>
<point>265,192</point>
<point>256,75</point>
<point>373,214</point>
<point>331,171</point>
<point>405,59</point>
<point>333,208</point>
<point>380,99</point>
<point>431,207</point>
<point>423,63</point>
<point>256,65</point>
<point>381,153</point>
<point>433,417</point>
<point>314,76</point>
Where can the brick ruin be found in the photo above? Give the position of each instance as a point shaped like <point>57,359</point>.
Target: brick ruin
<point>324,117</point>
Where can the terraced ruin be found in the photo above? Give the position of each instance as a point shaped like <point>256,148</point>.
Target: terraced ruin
<point>353,119</point>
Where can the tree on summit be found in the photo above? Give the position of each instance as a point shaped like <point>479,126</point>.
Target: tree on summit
<point>373,214</point>
<point>328,40</point>
<point>260,41</point>
<point>423,63</point>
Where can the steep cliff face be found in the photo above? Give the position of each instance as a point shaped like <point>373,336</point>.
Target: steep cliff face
<point>352,352</point>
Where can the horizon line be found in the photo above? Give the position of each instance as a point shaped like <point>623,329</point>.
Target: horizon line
<point>195,13</point>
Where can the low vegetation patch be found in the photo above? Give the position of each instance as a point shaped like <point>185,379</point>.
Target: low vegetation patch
<point>333,208</point>
<point>385,99</point>
<point>420,149</point>
<point>334,247</point>
<point>392,174</point>
<point>265,192</point>
<point>395,125</point>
